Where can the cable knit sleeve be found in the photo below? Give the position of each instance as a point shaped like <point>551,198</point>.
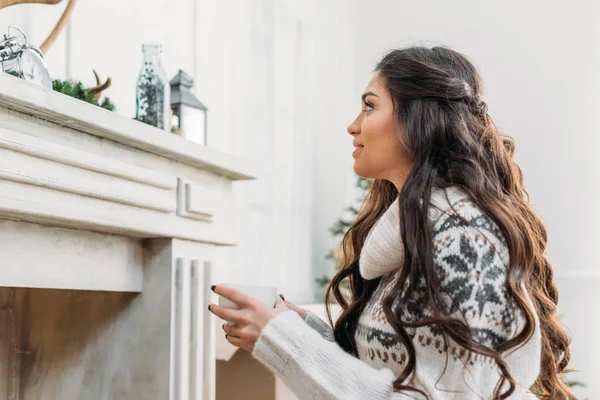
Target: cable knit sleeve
<point>319,325</point>
<point>315,368</point>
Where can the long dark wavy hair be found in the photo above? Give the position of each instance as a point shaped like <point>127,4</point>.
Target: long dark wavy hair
<point>436,94</point>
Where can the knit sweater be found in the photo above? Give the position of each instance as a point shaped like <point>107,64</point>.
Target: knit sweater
<point>470,258</point>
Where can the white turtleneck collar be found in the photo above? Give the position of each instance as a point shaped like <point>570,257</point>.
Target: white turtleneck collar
<point>383,251</point>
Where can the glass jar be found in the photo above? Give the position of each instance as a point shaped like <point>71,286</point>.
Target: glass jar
<point>152,92</point>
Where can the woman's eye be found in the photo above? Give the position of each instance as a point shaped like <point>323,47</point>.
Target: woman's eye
<point>368,107</point>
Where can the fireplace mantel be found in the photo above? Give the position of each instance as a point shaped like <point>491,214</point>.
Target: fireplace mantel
<point>107,231</point>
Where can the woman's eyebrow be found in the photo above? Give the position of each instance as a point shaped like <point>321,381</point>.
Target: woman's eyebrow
<point>365,95</point>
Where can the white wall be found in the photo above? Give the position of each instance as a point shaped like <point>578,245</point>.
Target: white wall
<point>541,64</point>
<point>335,104</point>
<point>281,61</point>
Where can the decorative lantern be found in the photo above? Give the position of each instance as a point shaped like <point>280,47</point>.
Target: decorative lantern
<point>189,114</point>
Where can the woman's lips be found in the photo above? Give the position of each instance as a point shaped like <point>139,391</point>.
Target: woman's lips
<point>357,150</point>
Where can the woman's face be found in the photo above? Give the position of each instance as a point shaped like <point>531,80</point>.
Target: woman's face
<point>379,152</point>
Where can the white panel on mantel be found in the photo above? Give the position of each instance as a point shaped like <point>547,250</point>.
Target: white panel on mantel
<point>197,202</point>
<point>37,162</point>
<point>38,256</point>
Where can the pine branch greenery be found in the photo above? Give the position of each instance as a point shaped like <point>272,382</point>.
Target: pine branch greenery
<point>78,91</point>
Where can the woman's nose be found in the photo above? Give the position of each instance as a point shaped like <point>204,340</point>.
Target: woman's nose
<point>354,128</point>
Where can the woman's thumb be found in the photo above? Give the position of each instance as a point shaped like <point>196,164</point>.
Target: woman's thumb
<point>279,303</point>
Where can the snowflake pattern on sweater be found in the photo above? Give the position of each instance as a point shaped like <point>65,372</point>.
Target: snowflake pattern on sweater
<point>470,257</point>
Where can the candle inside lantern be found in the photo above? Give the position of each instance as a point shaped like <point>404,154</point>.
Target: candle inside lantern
<point>189,114</point>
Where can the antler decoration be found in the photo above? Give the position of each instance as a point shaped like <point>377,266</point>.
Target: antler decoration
<point>99,88</point>
<point>6,3</point>
<point>59,25</point>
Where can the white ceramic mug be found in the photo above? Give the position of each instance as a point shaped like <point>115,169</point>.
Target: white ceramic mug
<point>266,294</point>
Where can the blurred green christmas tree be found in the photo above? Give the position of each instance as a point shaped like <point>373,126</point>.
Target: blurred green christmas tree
<point>340,227</point>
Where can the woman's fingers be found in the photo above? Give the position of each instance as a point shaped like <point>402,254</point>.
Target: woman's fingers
<point>236,296</point>
<point>249,320</point>
<point>232,330</point>
<point>300,311</point>
<point>237,342</point>
<point>235,336</point>
<point>292,306</point>
<point>280,303</point>
<point>226,314</point>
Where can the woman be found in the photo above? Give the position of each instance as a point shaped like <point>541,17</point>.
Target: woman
<point>451,294</point>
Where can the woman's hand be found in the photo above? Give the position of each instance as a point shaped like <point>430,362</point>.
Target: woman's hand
<point>250,319</point>
<point>300,311</point>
